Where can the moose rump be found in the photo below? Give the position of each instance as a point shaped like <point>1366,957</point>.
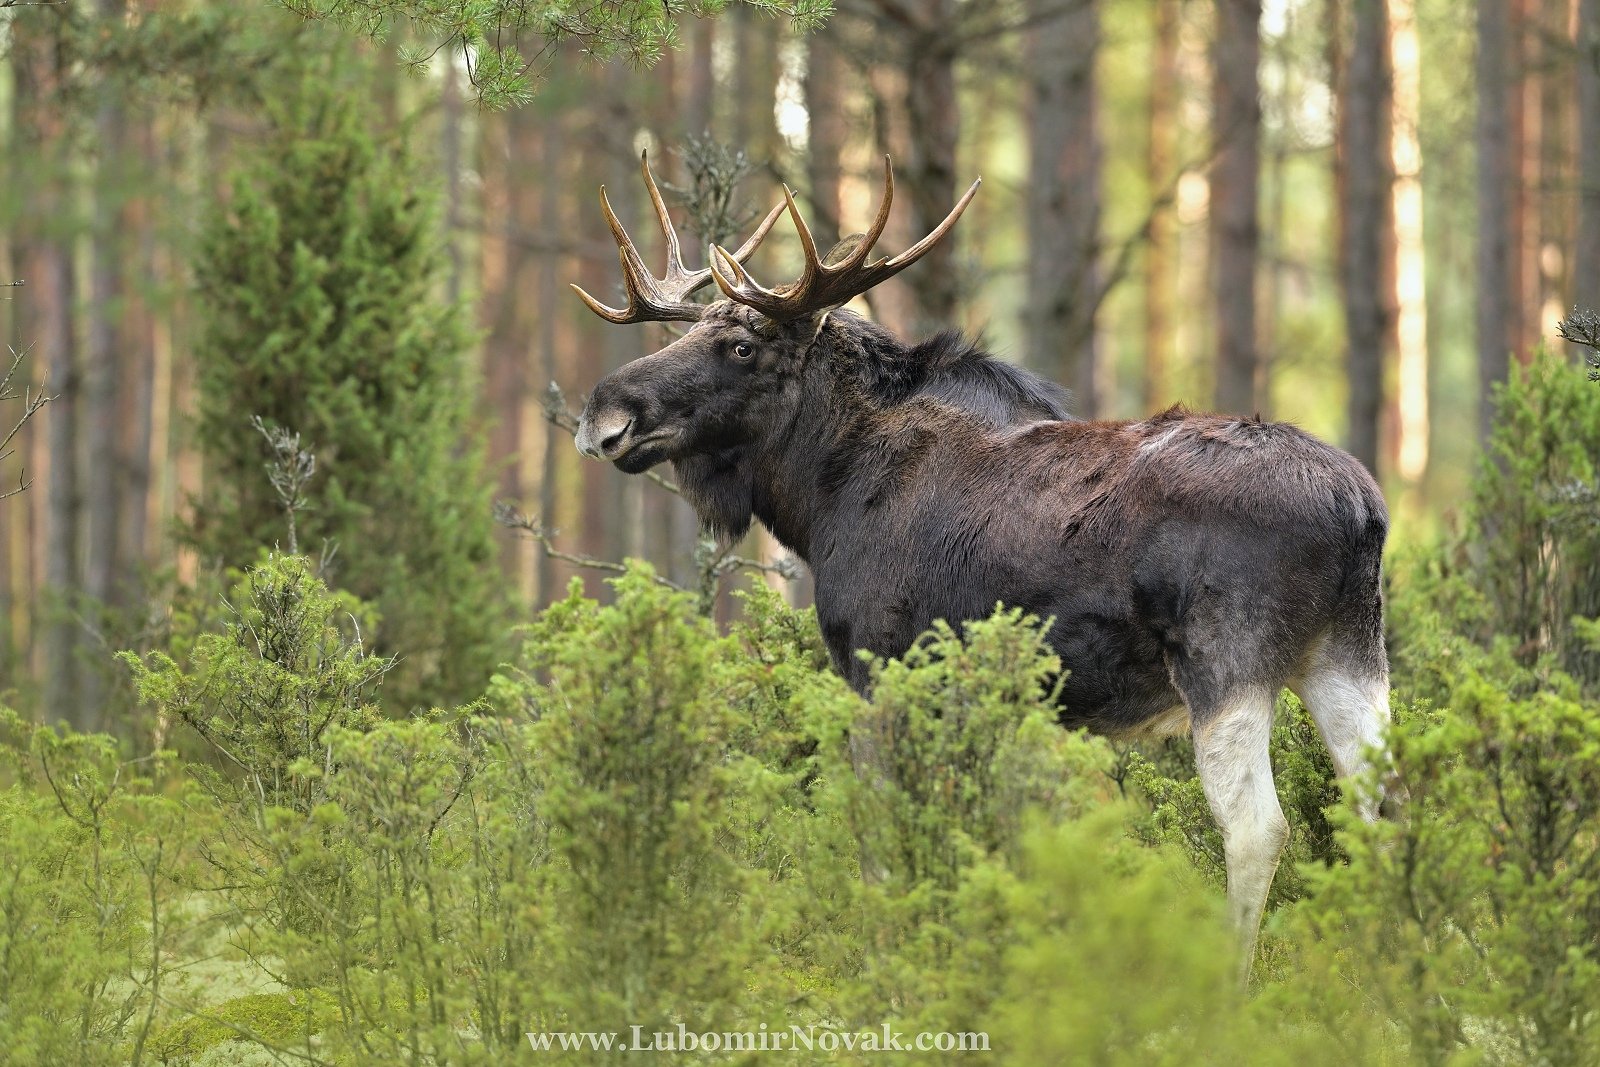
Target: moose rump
<point>1180,557</point>
<point>1191,566</point>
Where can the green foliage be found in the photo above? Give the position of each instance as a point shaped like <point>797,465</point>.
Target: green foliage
<point>95,872</point>
<point>495,35</point>
<point>1116,955</point>
<point>1535,515</point>
<point>264,693</point>
<point>1476,924</point>
<point>648,822</point>
<point>317,286</point>
<point>273,1019</point>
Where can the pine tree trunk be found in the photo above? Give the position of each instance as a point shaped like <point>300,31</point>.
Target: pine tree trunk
<point>1586,256</point>
<point>1364,125</point>
<point>894,303</point>
<point>136,369</point>
<point>825,147</point>
<point>37,52</point>
<point>1159,161</point>
<point>1064,200</point>
<point>1235,232</point>
<point>554,445</point>
<point>451,135</point>
<point>1411,296</point>
<point>933,127</point>
<point>1495,193</point>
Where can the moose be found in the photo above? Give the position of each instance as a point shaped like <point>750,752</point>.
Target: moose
<point>1193,565</point>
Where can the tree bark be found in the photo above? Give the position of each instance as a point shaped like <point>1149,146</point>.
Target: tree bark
<point>1586,256</point>
<point>1410,268</point>
<point>1363,133</point>
<point>1159,161</point>
<point>1235,232</point>
<point>702,82</point>
<point>826,133</point>
<point>1064,199</point>
<point>100,503</point>
<point>1495,161</point>
<point>934,127</point>
<point>39,54</point>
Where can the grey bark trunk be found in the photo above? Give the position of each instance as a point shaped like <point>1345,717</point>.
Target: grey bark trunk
<point>1364,141</point>
<point>1235,233</point>
<point>1064,199</point>
<point>1159,159</point>
<point>1586,257</point>
<point>933,127</point>
<point>1495,164</point>
<point>824,104</point>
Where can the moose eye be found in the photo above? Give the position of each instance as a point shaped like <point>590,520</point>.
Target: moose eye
<point>743,350</point>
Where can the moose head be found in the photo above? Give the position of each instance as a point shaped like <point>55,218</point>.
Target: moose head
<point>732,376</point>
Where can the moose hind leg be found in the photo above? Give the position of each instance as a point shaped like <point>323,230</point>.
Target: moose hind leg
<point>1232,755</point>
<point>1347,696</point>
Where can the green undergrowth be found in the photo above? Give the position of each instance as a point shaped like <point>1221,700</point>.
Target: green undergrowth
<point>649,821</point>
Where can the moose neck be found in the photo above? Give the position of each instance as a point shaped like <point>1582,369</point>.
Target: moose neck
<point>787,469</point>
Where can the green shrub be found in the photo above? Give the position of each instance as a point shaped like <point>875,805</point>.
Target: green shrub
<point>1476,924</point>
<point>1534,539</point>
<point>264,693</point>
<point>317,284</point>
<point>95,870</point>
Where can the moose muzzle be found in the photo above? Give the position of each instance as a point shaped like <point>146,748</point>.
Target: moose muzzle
<point>604,435</point>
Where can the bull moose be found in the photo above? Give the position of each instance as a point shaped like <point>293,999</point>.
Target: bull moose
<point>1193,564</point>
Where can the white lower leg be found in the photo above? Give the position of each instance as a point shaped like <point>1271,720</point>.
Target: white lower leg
<point>1351,710</point>
<point>1234,760</point>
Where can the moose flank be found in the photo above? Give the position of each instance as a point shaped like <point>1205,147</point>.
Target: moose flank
<point>1193,564</point>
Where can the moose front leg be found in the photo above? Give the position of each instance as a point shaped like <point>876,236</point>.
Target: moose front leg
<point>1234,760</point>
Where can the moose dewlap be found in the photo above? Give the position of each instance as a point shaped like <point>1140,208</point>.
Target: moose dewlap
<point>1194,565</point>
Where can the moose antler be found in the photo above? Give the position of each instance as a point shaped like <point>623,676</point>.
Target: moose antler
<point>827,285</point>
<point>664,299</point>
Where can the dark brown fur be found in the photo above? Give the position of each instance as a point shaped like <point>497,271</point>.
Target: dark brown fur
<point>1181,557</point>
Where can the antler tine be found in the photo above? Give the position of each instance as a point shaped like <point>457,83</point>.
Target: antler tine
<point>668,232</point>
<point>822,285</point>
<point>664,299</point>
<point>920,249</point>
<point>808,244</point>
<point>870,238</point>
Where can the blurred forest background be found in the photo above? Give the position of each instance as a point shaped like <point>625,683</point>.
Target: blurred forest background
<point>1351,214</point>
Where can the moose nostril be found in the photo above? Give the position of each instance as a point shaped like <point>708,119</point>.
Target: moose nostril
<point>609,443</point>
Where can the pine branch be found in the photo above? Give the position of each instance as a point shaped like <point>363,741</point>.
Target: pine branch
<point>1583,328</point>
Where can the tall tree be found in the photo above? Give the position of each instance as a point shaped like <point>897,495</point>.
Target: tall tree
<point>104,312</point>
<point>1064,196</point>
<point>933,124</point>
<point>1160,156</point>
<point>1586,256</point>
<point>908,53</point>
<point>42,61</point>
<point>317,279</point>
<point>1364,105</point>
<point>1235,231</point>
<point>826,132</point>
<point>1495,163</point>
<point>1411,296</point>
